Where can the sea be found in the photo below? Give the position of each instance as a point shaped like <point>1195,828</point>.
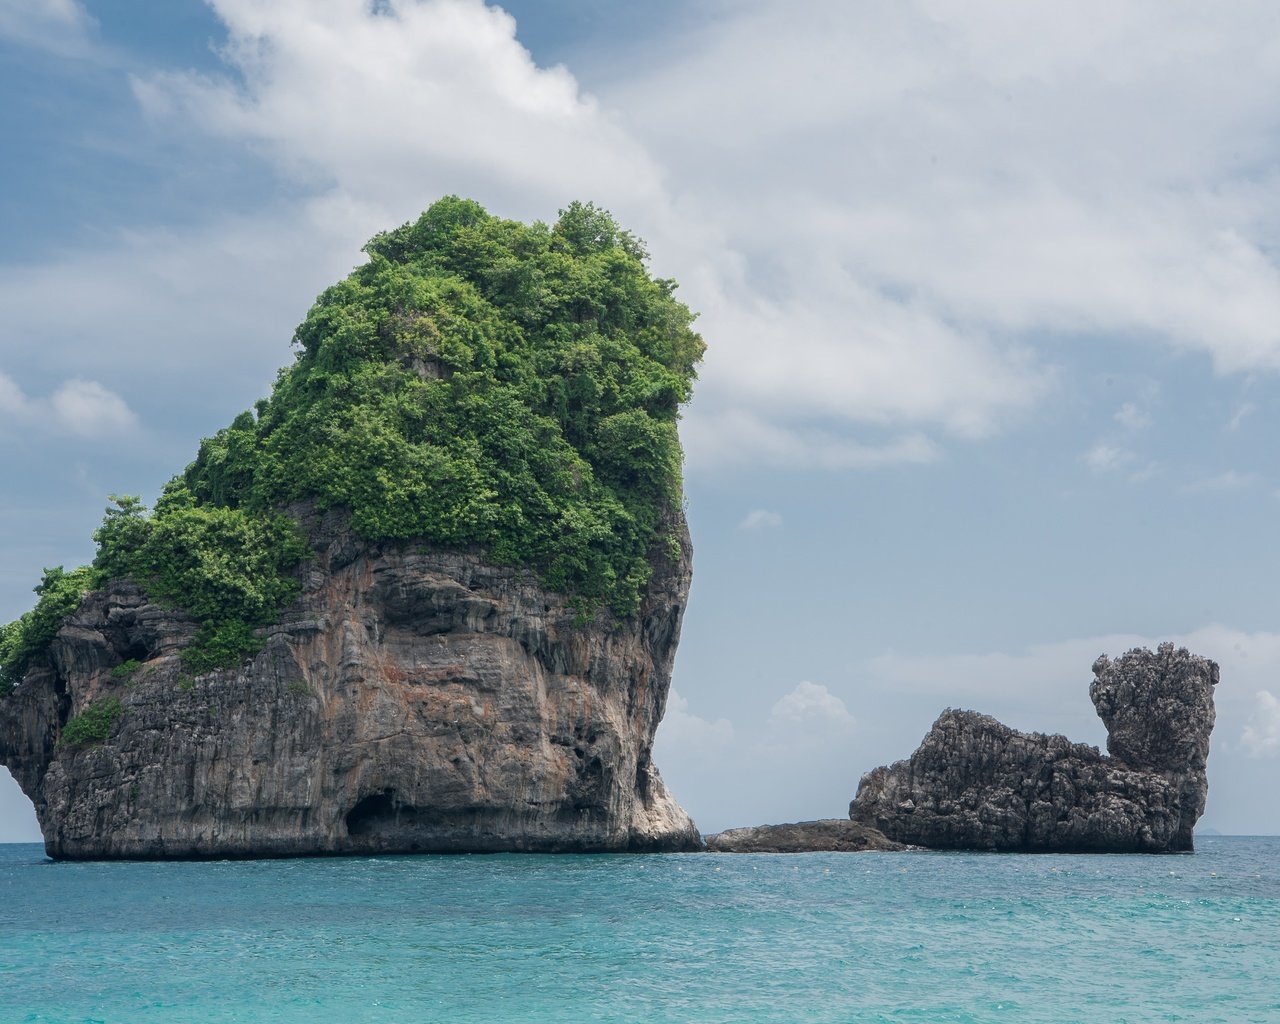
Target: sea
<point>875,937</point>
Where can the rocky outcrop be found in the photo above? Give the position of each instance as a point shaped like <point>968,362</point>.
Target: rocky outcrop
<point>830,835</point>
<point>410,700</point>
<point>977,784</point>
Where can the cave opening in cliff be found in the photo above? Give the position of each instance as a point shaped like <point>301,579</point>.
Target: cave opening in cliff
<point>372,814</point>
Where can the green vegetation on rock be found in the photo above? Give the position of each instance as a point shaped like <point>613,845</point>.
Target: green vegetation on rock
<point>93,724</point>
<point>27,637</point>
<point>477,384</point>
<point>229,568</point>
<point>126,669</point>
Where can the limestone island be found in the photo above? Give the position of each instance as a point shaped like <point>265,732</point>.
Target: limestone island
<point>976,784</point>
<point>424,597</point>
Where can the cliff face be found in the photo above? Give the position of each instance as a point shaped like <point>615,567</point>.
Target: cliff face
<point>977,784</point>
<point>409,701</point>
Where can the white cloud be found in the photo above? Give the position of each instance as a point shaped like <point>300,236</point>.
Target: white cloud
<point>60,26</point>
<point>217,305</point>
<point>760,519</point>
<point>87,409</point>
<point>1249,655</point>
<point>82,408</point>
<point>13,403</point>
<point>684,731</point>
<point>1231,480</point>
<point>1042,687</point>
<point>759,769</point>
<point>1261,734</point>
<point>397,107</point>
<point>1107,458</point>
<point>827,345</point>
<point>738,437</point>
<point>1001,169</point>
<point>811,705</point>
<point>1244,410</point>
<point>1047,669</point>
<point>1133,417</point>
<point>1045,686</point>
<point>1151,469</point>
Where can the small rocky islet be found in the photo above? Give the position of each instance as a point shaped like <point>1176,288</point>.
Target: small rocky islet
<point>426,597</point>
<point>976,784</point>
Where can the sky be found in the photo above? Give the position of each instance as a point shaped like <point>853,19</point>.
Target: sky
<point>990,293</point>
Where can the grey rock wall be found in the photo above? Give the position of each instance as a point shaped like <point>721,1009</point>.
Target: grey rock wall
<point>410,700</point>
<point>974,783</point>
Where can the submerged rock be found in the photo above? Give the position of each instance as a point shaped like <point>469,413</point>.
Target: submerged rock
<point>974,783</point>
<point>410,700</point>
<point>829,835</point>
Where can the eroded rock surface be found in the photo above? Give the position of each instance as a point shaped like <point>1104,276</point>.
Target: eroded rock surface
<point>829,835</point>
<point>408,701</point>
<point>977,784</point>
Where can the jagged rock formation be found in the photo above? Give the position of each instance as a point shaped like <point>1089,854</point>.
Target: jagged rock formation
<point>829,835</point>
<point>977,784</point>
<point>410,700</point>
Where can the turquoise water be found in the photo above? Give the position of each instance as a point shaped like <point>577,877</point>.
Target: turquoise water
<point>910,937</point>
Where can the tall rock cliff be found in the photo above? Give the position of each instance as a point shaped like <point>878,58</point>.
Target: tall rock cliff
<point>977,784</point>
<point>410,700</point>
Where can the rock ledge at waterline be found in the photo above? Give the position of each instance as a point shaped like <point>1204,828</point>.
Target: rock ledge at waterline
<point>977,784</point>
<point>828,835</point>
